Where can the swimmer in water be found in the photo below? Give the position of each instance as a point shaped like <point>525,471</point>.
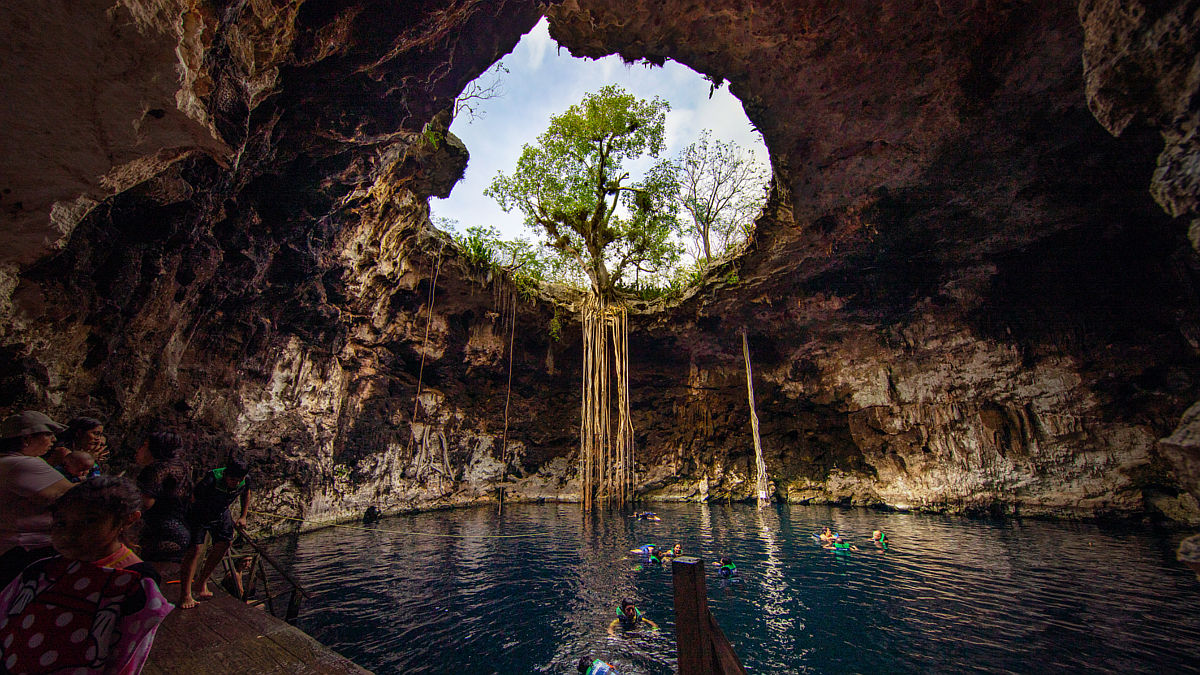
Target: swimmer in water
<point>727,569</point>
<point>630,618</point>
<point>880,539</point>
<point>839,545</point>
<point>595,667</point>
<point>827,535</point>
<point>645,549</point>
<point>671,553</point>
<point>646,515</point>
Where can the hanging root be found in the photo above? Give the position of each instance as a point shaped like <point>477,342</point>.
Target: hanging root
<point>605,459</point>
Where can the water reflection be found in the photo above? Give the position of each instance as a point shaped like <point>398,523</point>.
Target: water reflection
<point>950,595</point>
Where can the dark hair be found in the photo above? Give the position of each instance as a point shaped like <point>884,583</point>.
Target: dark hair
<point>76,428</point>
<point>726,560</point>
<point>113,496</point>
<point>236,468</point>
<point>626,602</point>
<point>163,445</point>
<point>584,664</point>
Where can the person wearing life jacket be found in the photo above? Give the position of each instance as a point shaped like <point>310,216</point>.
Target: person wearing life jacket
<point>880,539</point>
<point>630,618</point>
<point>596,667</point>
<point>727,569</point>
<point>839,545</point>
<point>209,514</point>
<point>645,549</point>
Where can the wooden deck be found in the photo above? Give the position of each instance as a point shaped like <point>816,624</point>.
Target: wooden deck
<point>224,635</point>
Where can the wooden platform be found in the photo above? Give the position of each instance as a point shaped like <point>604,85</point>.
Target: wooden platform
<point>224,635</point>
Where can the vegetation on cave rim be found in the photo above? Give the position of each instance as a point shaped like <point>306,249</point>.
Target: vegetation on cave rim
<point>656,252</point>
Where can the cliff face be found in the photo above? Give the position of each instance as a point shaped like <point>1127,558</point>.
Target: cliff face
<point>972,288</point>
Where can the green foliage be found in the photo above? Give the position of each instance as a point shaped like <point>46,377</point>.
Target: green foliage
<point>572,187</point>
<point>555,327</point>
<point>432,136</point>
<point>478,245</point>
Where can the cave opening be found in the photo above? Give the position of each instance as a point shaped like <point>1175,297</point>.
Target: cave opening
<point>722,165</point>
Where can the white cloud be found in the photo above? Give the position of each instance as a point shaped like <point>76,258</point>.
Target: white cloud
<point>536,43</point>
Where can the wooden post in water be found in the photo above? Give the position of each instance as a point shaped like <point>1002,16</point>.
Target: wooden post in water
<point>701,646</point>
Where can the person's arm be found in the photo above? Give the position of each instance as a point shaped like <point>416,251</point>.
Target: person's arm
<point>612,627</point>
<point>52,492</point>
<point>241,522</point>
<point>38,482</point>
<point>653,626</point>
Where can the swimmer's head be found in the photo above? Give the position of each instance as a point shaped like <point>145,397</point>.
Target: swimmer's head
<point>677,550</point>
<point>584,664</point>
<point>628,608</point>
<point>726,560</point>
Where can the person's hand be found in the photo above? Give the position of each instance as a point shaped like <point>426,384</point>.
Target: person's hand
<point>240,523</point>
<point>98,448</point>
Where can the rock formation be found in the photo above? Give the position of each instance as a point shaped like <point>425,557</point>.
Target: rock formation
<point>972,288</point>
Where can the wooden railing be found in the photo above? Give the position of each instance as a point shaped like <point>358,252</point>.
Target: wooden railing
<point>699,642</point>
<point>297,590</point>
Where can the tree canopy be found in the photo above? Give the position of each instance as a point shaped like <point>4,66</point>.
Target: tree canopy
<point>720,187</point>
<point>574,186</point>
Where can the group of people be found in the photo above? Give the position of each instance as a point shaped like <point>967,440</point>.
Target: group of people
<point>835,542</point>
<point>77,544</point>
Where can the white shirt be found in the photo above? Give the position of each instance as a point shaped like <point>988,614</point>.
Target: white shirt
<point>24,516</point>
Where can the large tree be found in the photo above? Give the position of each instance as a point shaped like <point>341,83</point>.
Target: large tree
<point>574,187</point>
<point>721,188</point>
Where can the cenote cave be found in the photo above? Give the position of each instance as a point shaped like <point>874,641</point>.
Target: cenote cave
<point>971,302</point>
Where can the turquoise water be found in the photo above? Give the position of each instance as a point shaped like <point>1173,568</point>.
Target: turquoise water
<point>951,595</point>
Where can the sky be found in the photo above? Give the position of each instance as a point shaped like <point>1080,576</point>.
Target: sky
<point>544,80</point>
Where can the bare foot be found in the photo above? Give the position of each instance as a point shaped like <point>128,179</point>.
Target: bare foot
<point>202,593</point>
<point>187,602</point>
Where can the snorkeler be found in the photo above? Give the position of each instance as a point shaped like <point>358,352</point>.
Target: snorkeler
<point>646,515</point>
<point>630,618</point>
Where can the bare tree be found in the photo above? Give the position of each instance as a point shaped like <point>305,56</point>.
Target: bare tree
<point>487,86</point>
<point>721,188</point>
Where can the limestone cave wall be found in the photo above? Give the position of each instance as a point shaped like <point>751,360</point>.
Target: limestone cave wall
<point>972,288</point>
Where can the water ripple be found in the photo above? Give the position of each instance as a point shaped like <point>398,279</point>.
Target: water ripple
<point>951,595</point>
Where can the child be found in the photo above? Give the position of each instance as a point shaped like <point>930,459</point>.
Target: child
<point>210,514</point>
<point>630,618</point>
<point>77,465</point>
<point>96,606</point>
